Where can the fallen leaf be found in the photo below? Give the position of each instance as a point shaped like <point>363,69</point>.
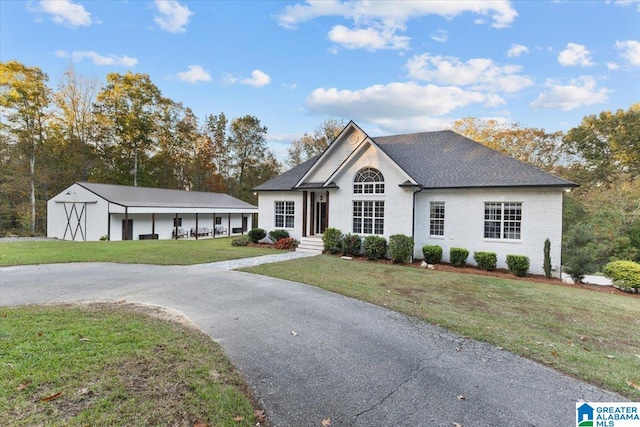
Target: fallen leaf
<point>555,353</point>
<point>610,356</point>
<point>583,338</point>
<point>200,424</point>
<point>461,397</point>
<point>121,302</point>
<point>326,423</point>
<point>637,355</point>
<point>634,385</point>
<point>23,385</point>
<point>294,333</point>
<point>238,418</point>
<point>260,415</point>
<point>84,339</point>
<point>52,397</point>
<point>585,348</point>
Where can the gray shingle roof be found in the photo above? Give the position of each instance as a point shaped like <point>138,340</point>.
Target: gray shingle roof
<point>160,197</point>
<point>444,159</point>
<point>447,159</point>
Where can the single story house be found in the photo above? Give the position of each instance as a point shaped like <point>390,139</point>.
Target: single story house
<point>88,211</point>
<point>440,188</point>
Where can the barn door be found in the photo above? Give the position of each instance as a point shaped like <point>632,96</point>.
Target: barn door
<point>127,229</point>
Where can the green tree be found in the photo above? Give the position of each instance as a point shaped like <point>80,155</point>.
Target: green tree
<point>25,99</point>
<point>309,145</point>
<point>606,146</point>
<point>215,129</point>
<point>531,145</point>
<point>127,111</point>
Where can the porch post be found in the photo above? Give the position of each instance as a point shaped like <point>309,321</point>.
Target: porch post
<point>304,214</point>
<point>175,225</point>
<point>153,223</point>
<point>126,223</point>
<point>312,229</point>
<point>326,217</point>
<point>229,223</point>
<point>196,225</point>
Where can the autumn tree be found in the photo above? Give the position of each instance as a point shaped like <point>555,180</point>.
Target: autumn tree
<point>126,112</point>
<point>531,145</point>
<point>25,99</point>
<point>312,144</point>
<point>215,130</point>
<point>251,162</point>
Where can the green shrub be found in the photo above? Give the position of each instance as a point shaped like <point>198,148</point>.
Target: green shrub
<point>518,265</point>
<point>375,247</point>
<point>458,256</point>
<point>547,259</point>
<point>286,243</point>
<point>486,260</point>
<point>432,254</point>
<point>256,234</point>
<point>241,241</point>
<point>624,274</point>
<point>332,240</point>
<point>278,234</point>
<point>351,244</point>
<point>400,248</point>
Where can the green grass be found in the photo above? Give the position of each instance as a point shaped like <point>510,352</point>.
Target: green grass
<point>163,252</point>
<point>591,335</point>
<point>104,365</point>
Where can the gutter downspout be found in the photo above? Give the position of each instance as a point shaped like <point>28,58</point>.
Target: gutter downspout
<point>413,221</point>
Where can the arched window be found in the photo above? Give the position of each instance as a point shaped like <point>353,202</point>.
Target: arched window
<point>368,181</point>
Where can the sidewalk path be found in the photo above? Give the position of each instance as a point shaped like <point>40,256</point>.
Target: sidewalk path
<point>310,355</point>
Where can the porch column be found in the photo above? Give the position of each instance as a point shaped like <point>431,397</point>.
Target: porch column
<point>229,223</point>
<point>312,229</point>
<point>196,225</point>
<point>326,217</point>
<point>175,226</point>
<point>153,223</point>
<point>304,214</point>
<point>126,223</point>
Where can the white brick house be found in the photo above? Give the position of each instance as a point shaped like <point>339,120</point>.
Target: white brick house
<point>438,187</point>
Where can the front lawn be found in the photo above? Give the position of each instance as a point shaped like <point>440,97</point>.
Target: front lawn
<point>108,365</point>
<point>163,252</point>
<point>593,336</point>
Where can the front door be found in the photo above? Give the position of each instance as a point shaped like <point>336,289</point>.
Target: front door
<point>127,229</point>
<point>321,217</point>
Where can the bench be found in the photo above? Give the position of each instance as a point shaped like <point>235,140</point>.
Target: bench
<point>220,229</point>
<point>201,231</point>
<point>147,237</point>
<point>237,230</point>
<point>181,233</point>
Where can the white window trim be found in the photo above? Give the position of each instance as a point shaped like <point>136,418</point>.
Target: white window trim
<point>284,214</point>
<point>502,222</point>
<point>443,219</point>
<point>373,218</point>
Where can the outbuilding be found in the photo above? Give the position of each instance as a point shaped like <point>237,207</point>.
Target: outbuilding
<point>89,211</point>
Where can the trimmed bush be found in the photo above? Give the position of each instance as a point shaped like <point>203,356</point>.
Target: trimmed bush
<point>332,240</point>
<point>241,241</point>
<point>256,234</point>
<point>278,234</point>
<point>287,243</point>
<point>547,259</point>
<point>458,256</point>
<point>375,247</point>
<point>432,254</point>
<point>486,260</point>
<point>351,244</point>
<point>400,248</point>
<point>518,265</point>
<point>624,274</point>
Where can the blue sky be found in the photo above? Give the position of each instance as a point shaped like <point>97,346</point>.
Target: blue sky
<point>392,67</point>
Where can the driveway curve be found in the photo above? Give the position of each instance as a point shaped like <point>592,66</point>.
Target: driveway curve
<point>310,355</point>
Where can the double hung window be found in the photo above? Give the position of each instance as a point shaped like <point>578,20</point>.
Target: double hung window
<point>285,214</point>
<point>503,220</point>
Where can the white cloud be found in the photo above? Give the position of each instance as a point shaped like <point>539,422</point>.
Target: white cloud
<point>612,66</point>
<point>579,92</point>
<point>395,101</point>
<point>194,74</point>
<point>64,12</point>
<point>630,51</point>
<point>173,16</point>
<point>440,36</point>
<point>376,23</point>
<point>367,38</point>
<point>100,60</point>
<point>478,73</point>
<point>516,50</point>
<point>575,54</point>
<point>258,79</point>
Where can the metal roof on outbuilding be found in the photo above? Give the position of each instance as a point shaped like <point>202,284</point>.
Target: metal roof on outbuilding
<point>163,198</point>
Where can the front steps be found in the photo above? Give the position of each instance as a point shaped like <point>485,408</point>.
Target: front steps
<point>312,244</point>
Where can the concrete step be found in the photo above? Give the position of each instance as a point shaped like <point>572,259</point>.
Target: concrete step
<point>310,245</point>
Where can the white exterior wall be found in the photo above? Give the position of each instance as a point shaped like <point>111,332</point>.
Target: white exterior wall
<point>398,206</point>
<point>340,150</point>
<point>266,211</point>
<point>93,223</point>
<point>464,224</point>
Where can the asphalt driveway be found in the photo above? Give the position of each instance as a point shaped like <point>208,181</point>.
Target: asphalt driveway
<point>310,355</point>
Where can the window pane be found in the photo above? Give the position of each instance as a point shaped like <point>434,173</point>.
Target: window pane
<point>379,226</point>
<point>492,229</point>
<point>279,208</point>
<point>290,208</point>
<point>367,227</point>
<point>357,208</point>
<point>289,221</point>
<point>279,221</point>
<point>357,225</point>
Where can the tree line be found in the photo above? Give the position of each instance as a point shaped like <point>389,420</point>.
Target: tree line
<point>126,132</point>
<point>123,132</point>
